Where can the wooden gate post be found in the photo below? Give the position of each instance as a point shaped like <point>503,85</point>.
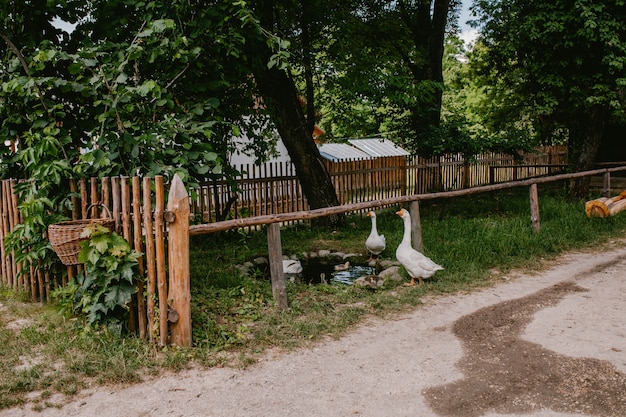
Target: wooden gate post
<point>275,251</point>
<point>179,296</point>
<point>534,208</point>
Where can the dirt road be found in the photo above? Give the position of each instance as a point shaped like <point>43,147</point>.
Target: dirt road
<point>546,345</point>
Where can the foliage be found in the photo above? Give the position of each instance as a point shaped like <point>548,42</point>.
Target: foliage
<point>101,296</point>
<point>384,67</point>
<point>558,66</point>
<point>95,105</point>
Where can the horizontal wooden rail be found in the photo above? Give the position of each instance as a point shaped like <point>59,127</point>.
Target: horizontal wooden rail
<point>200,229</point>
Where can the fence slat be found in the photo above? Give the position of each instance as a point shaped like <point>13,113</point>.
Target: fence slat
<point>159,236</point>
<point>150,259</point>
<point>138,246</point>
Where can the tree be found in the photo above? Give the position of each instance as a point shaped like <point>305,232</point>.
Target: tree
<point>386,66</point>
<point>280,97</point>
<point>133,97</point>
<point>562,65</point>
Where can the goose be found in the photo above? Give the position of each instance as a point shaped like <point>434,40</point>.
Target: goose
<point>375,243</point>
<point>416,264</point>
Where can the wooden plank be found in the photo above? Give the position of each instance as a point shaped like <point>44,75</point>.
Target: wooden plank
<point>12,223</point>
<point>17,220</point>
<point>125,195</point>
<point>42,290</point>
<point>116,203</point>
<point>3,233</point>
<point>150,255</point>
<point>105,190</point>
<point>83,198</point>
<point>159,237</point>
<point>138,246</point>
<point>94,198</point>
<point>126,231</point>
<point>6,225</point>
<point>179,287</point>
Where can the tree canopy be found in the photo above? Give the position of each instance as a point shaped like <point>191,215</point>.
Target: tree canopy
<point>557,65</point>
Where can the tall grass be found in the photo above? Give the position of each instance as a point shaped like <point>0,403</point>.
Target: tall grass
<point>476,239</point>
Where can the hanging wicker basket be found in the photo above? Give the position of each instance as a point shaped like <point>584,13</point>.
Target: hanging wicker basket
<point>65,236</point>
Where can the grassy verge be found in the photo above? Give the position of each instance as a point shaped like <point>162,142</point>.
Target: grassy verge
<point>476,239</point>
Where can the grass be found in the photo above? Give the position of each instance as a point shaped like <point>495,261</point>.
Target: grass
<point>477,239</point>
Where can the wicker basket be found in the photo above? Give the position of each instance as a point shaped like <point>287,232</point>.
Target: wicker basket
<point>65,236</point>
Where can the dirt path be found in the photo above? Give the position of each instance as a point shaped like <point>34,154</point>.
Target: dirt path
<point>547,345</point>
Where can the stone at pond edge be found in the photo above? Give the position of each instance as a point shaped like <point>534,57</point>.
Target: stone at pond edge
<point>391,273</point>
<point>369,281</point>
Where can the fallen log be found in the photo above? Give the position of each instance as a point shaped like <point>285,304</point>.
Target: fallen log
<point>605,207</point>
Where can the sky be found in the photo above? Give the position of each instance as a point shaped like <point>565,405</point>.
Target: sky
<point>467,33</point>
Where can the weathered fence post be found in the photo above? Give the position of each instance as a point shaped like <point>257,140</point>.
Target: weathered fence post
<point>416,226</point>
<point>275,251</point>
<point>606,190</point>
<point>179,296</point>
<point>534,208</point>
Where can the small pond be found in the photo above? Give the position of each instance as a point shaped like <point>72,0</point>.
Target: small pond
<point>316,271</point>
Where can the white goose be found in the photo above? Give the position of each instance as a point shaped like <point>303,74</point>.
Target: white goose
<point>375,243</point>
<point>416,264</point>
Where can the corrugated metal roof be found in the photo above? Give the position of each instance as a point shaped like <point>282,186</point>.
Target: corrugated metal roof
<point>378,147</point>
<point>337,151</point>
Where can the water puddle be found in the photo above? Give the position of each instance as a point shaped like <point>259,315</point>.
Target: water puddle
<point>316,272</point>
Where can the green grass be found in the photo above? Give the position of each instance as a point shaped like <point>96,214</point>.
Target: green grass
<point>476,239</point>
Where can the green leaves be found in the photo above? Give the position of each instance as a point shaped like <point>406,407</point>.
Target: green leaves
<point>103,293</point>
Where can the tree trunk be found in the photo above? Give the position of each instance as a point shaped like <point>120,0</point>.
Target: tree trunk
<point>280,96</point>
<point>585,138</point>
<point>428,40</point>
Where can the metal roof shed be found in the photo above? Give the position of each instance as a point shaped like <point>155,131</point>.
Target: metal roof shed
<point>378,147</point>
<point>340,151</point>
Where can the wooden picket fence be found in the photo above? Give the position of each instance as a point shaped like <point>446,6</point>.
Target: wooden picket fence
<point>274,188</point>
<point>138,206</point>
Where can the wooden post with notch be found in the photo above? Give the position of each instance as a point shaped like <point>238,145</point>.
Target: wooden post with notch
<point>275,250</point>
<point>179,296</point>
<point>534,208</point>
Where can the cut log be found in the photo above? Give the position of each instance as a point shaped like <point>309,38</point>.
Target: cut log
<point>605,207</point>
<point>597,207</point>
<point>616,207</point>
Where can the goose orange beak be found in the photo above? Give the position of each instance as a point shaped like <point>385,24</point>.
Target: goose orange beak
<point>400,212</point>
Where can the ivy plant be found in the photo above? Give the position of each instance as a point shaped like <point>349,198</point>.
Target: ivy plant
<point>102,295</point>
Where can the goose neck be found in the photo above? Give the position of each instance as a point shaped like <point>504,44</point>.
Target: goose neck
<point>406,238</point>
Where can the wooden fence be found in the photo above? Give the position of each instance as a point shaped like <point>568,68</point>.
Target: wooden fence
<point>274,187</point>
<point>274,221</point>
<point>138,206</point>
